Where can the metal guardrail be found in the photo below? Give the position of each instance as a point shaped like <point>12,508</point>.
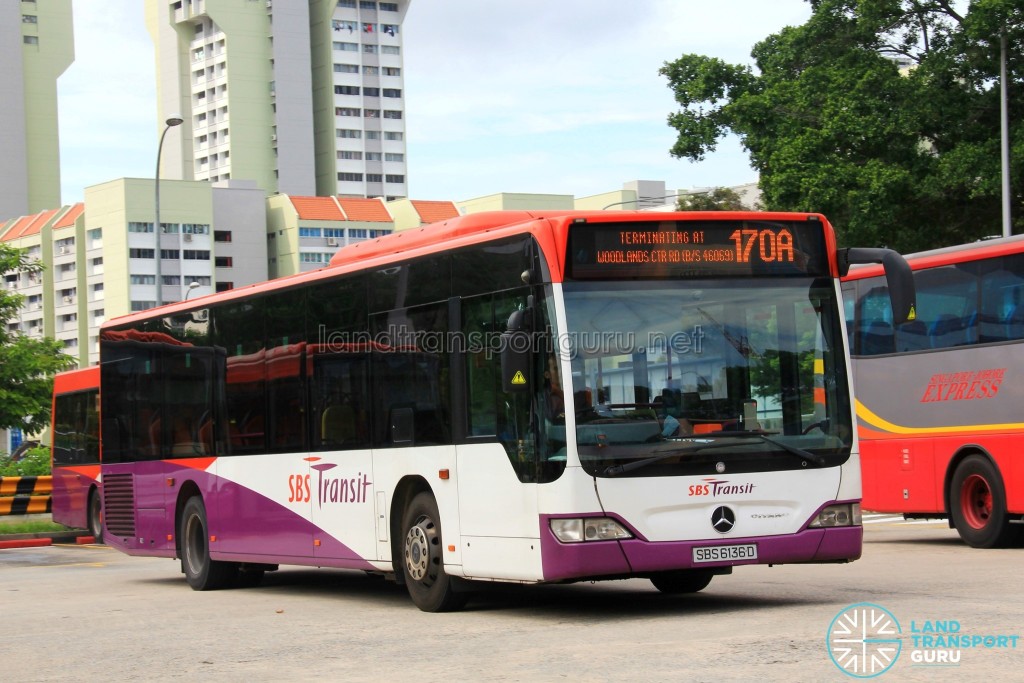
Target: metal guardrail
<point>25,495</point>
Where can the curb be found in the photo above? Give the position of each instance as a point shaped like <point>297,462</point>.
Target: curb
<point>39,540</point>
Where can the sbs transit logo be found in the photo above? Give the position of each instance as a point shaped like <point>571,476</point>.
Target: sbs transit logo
<point>864,640</point>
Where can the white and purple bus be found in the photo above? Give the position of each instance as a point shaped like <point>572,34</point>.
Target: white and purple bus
<point>521,396</point>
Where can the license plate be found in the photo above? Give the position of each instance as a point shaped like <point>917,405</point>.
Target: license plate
<point>725,553</point>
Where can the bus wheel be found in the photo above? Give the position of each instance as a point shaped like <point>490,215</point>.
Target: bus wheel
<point>977,503</point>
<point>200,571</point>
<point>422,562</point>
<point>686,581</point>
<point>95,521</point>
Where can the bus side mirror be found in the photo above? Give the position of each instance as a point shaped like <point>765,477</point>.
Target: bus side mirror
<point>516,343</point>
<point>899,278</point>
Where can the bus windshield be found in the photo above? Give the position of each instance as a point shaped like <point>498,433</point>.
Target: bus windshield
<point>707,376</point>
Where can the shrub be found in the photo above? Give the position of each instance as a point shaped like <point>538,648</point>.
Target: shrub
<point>35,462</point>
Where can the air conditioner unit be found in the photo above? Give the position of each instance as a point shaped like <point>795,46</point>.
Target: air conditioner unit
<point>187,237</point>
<point>37,306</point>
<point>68,299</point>
<point>63,250</point>
<point>332,241</point>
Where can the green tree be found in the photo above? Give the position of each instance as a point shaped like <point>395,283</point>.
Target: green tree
<point>897,153</point>
<point>27,365</point>
<point>717,199</point>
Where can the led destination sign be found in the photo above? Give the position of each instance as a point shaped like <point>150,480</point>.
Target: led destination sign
<point>696,249</point>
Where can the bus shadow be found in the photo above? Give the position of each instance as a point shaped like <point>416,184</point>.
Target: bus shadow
<point>607,599</point>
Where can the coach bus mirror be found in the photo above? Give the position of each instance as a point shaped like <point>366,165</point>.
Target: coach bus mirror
<point>899,278</point>
<point>516,350</point>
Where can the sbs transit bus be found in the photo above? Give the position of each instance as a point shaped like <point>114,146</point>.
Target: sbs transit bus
<point>939,398</point>
<point>511,396</point>
<point>76,498</point>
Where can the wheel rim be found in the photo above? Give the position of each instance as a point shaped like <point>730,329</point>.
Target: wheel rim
<point>194,547</point>
<point>976,501</point>
<point>420,552</point>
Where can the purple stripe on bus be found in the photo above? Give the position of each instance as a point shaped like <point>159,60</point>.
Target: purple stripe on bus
<point>267,532</point>
<point>637,556</point>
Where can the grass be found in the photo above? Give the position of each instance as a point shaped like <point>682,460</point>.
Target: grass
<point>29,527</point>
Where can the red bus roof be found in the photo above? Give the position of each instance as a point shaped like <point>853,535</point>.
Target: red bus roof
<point>550,228</point>
<point>944,256</point>
<point>76,380</point>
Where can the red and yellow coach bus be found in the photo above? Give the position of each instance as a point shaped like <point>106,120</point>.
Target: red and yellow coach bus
<point>515,396</point>
<point>939,398</point>
<point>76,499</point>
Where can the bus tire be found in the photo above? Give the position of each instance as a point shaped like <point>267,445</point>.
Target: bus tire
<point>95,519</point>
<point>422,558</point>
<point>680,582</point>
<point>977,504</point>
<point>202,573</point>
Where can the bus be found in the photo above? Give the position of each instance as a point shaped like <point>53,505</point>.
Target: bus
<point>525,396</point>
<point>76,497</point>
<point>938,408</point>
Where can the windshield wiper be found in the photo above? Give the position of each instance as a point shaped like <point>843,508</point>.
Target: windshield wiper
<point>765,436</point>
<point>615,470</point>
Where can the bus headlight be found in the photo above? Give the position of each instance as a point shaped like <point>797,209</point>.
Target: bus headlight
<point>578,530</point>
<point>846,514</point>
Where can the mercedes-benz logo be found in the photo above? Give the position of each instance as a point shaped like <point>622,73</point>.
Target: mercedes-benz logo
<point>723,519</point>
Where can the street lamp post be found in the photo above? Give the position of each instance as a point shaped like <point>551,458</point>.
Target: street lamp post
<point>171,122</point>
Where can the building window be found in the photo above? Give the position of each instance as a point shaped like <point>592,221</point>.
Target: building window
<point>351,177</point>
<point>392,71</point>
<point>221,235</point>
<point>390,50</point>
<point>347,3</point>
<point>223,262</point>
<point>346,47</point>
<point>334,232</point>
<point>143,279</point>
<point>388,6</point>
<point>395,178</point>
<point>352,156</point>
<point>196,255</point>
<point>370,49</point>
<point>195,228</point>
<point>30,40</point>
<point>171,280</point>
<point>389,29</point>
<point>142,305</point>
<point>371,92</point>
<point>392,114</point>
<point>29,19</point>
<point>225,286</point>
<point>346,111</point>
<point>310,232</point>
<point>391,156</point>
<point>140,227</point>
<point>346,90</point>
<point>170,254</point>
<point>392,92</point>
<point>141,253</point>
<point>373,156</point>
<point>346,69</point>
<point>371,113</point>
<point>373,135</point>
<point>374,177</point>
<point>349,133</point>
<point>393,136</point>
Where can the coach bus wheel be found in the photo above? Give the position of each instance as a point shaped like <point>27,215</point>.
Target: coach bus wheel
<point>422,561</point>
<point>977,504</point>
<point>687,581</point>
<point>200,571</point>
<point>95,516</point>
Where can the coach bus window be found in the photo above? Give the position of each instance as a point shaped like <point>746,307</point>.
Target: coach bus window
<point>286,385</point>
<point>239,329</point>
<point>411,397</point>
<point>1001,317</point>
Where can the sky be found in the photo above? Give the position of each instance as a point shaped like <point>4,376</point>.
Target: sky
<point>534,96</point>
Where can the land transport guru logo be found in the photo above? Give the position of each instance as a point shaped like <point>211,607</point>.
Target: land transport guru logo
<point>865,640</point>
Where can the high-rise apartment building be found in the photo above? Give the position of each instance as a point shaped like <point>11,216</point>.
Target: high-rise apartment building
<point>304,97</point>
<point>36,46</point>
